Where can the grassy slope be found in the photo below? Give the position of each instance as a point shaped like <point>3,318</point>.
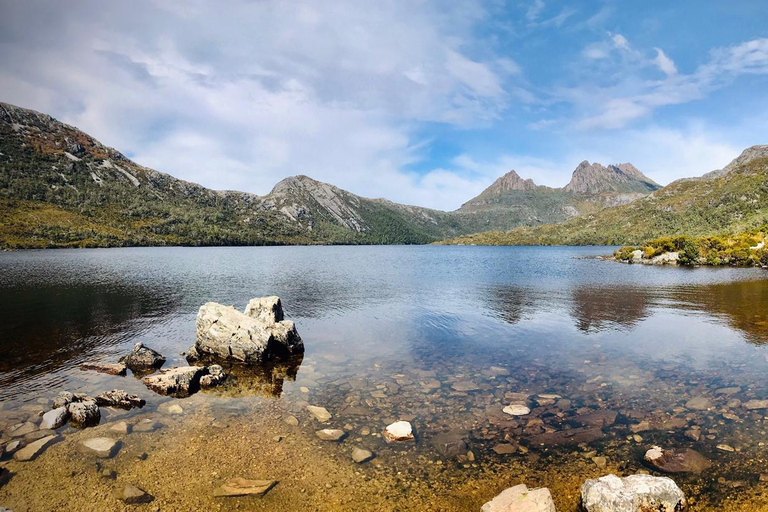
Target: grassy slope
<point>732,203</point>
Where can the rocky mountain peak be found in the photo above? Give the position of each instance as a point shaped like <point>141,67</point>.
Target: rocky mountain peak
<point>511,181</point>
<point>596,178</point>
<point>749,154</point>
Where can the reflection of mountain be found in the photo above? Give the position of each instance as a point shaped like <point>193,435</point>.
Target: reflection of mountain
<point>265,380</point>
<point>512,302</point>
<point>741,303</point>
<point>597,308</point>
<point>48,326</point>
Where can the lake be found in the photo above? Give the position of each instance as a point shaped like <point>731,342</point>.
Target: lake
<point>611,359</point>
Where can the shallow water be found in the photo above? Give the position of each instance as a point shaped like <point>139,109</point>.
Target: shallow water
<point>441,336</point>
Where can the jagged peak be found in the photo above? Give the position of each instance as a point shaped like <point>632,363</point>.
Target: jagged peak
<point>511,181</point>
<point>595,178</point>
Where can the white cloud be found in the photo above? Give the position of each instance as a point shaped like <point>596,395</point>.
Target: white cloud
<point>620,42</point>
<point>534,10</point>
<point>665,64</point>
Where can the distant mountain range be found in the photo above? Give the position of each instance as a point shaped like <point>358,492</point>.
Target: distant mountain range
<point>60,187</point>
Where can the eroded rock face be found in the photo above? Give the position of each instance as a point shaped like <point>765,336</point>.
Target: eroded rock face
<point>636,493</point>
<point>120,399</point>
<point>258,335</point>
<point>521,499</point>
<point>142,359</point>
<point>179,382</point>
<point>84,413</point>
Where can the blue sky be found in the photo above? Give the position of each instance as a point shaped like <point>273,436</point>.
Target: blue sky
<point>420,102</point>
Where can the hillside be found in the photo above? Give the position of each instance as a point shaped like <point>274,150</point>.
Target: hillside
<point>60,187</point>
<point>728,201</point>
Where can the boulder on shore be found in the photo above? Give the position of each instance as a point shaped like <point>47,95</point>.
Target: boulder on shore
<point>120,399</point>
<point>84,412</point>
<point>179,382</point>
<point>632,494</point>
<point>521,499</point>
<point>142,359</point>
<point>257,335</point>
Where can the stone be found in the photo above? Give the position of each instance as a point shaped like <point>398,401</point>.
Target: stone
<point>465,385</point>
<point>244,487</point>
<point>699,403</point>
<point>179,382</point>
<point>600,462</point>
<point>677,461</point>
<point>693,434</point>
<point>120,399</point>
<point>256,336</point>
<point>573,436</point>
<point>142,359</point>
<point>361,455</point>
<point>38,434</point>
<point>504,448</point>
<point>756,404</point>
<point>728,391</point>
<point>451,444</point>
<point>147,425</point>
<point>725,448</point>
<point>132,495</point>
<point>601,418</point>
<point>635,493</point>
<point>398,431</point>
<point>321,414</point>
<point>521,499</point>
<point>291,420</point>
<point>32,450</point>
<point>55,418</point>
<point>5,477</point>
<point>330,434</point>
<point>175,409</point>
<point>216,375</point>
<point>108,368</point>
<point>63,399</point>
<point>102,447</point>
<point>121,427</point>
<point>516,410</point>
<point>84,414</point>
<point>11,447</point>
<point>21,429</point>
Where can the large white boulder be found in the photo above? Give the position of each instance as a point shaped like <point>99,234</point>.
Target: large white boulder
<point>631,494</point>
<point>521,499</point>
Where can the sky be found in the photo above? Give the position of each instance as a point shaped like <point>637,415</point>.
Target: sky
<point>420,102</point>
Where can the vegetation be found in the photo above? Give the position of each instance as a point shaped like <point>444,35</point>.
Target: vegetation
<point>743,249</point>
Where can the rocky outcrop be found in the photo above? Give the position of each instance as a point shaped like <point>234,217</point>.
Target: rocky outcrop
<point>521,499</point>
<point>617,178</point>
<point>179,382</point>
<point>142,359</point>
<point>120,399</point>
<point>636,493</point>
<point>84,412</point>
<point>255,336</point>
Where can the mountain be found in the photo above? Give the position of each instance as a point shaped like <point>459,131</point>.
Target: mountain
<point>732,200</point>
<point>60,187</point>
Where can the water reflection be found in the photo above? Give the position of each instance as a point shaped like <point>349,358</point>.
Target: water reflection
<point>265,380</point>
<point>596,308</point>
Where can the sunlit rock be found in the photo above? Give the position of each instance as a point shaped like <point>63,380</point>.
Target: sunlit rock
<point>521,499</point>
<point>632,494</point>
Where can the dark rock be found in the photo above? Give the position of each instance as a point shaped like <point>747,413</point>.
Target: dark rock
<point>142,359</point>
<point>677,461</point>
<point>108,368</point>
<point>84,413</point>
<point>120,399</point>
<point>451,444</point>
<point>179,382</point>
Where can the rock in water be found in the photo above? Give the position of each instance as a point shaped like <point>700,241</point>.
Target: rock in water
<point>32,450</point>
<point>258,335</point>
<point>120,399</point>
<point>63,399</point>
<point>361,455</point>
<point>243,487</point>
<point>398,431</point>
<point>330,434</point>
<point>521,499</point>
<point>451,444</point>
<point>142,359</point>
<point>55,418</point>
<point>632,494</point>
<point>321,414</point>
<point>216,375</point>
<point>517,410</point>
<point>84,413</point>
<point>102,447</point>
<point>108,368</point>
<point>677,461</point>
<point>132,495</point>
<point>179,382</point>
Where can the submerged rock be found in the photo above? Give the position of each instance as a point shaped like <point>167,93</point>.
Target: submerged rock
<point>55,418</point>
<point>142,359</point>
<point>451,444</point>
<point>179,382</point>
<point>216,375</point>
<point>521,499</point>
<point>21,429</point>
<point>330,434</point>
<point>517,410</point>
<point>120,399</point>
<point>84,413</point>
<point>244,487</point>
<point>321,414</point>
<point>398,431</point>
<point>256,336</point>
<point>102,447</point>
<point>677,461</point>
<point>147,425</point>
<point>32,450</point>
<point>108,368</point>
<point>632,494</point>
<point>132,495</point>
<point>361,455</point>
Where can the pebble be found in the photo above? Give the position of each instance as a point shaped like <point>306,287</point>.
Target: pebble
<point>398,431</point>
<point>121,427</point>
<point>102,447</point>
<point>321,414</point>
<point>516,410</point>
<point>361,455</point>
<point>132,495</point>
<point>330,434</point>
<point>725,448</point>
<point>291,420</point>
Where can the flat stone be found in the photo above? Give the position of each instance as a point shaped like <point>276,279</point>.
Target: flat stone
<point>121,427</point>
<point>516,410</point>
<point>291,420</point>
<point>699,403</point>
<point>32,450</point>
<point>132,495</point>
<point>321,414</point>
<point>451,444</point>
<point>11,447</point>
<point>601,418</point>
<point>504,448</point>
<point>398,431</point>
<point>108,368</point>
<point>727,391</point>
<point>330,434</point>
<point>102,447</point>
<point>120,399</point>
<point>361,455</point>
<point>756,404</point>
<point>677,461</point>
<point>725,448</point>
<point>55,418</point>
<point>244,487</point>
<point>147,425</point>
<point>39,434</point>
<point>632,494</point>
<point>464,386</point>
<point>21,429</point>
<point>180,382</point>
<point>521,499</point>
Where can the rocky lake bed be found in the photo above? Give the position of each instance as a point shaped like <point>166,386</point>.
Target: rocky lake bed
<point>448,425</point>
